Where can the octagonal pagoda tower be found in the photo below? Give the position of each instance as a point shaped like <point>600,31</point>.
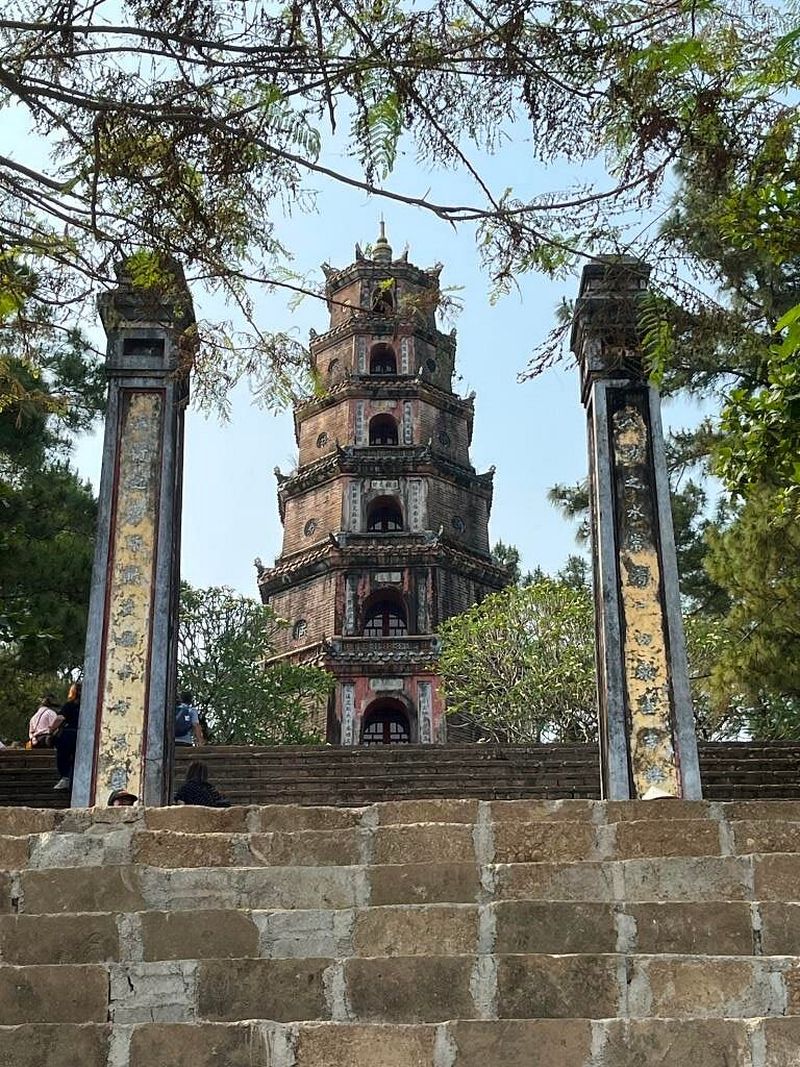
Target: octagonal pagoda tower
<point>385,520</point>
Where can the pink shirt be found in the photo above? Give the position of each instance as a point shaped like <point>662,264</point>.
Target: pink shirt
<point>41,722</point>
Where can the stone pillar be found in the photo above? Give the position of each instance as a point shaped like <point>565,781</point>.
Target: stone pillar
<point>647,737</point>
<point>126,725</point>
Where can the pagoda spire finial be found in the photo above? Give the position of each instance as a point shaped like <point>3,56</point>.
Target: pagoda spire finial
<point>382,252</point>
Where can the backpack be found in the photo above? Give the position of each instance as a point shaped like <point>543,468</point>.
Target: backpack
<point>183,720</point>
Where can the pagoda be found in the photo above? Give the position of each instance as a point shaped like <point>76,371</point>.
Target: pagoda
<point>385,520</point>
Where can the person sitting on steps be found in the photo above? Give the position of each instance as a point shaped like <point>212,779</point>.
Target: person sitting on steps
<point>198,790</point>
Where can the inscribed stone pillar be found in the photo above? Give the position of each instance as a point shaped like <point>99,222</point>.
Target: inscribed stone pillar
<point>647,738</point>
<point>126,724</point>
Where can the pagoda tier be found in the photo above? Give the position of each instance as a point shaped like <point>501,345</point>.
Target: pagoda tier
<point>385,519</point>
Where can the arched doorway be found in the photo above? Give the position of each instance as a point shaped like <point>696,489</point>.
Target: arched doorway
<point>382,360</point>
<point>386,723</point>
<point>384,615</point>
<point>384,515</point>
<point>382,430</point>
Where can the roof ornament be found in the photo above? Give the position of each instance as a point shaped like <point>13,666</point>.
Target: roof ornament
<point>359,253</point>
<point>382,253</point>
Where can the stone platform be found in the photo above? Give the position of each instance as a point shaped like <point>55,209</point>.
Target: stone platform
<point>436,933</point>
<point>352,776</point>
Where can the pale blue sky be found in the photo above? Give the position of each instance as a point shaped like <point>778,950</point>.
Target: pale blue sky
<point>534,433</point>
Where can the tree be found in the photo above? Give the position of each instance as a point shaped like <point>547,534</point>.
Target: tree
<point>176,129</point>
<point>520,664</point>
<point>47,520</point>
<point>223,642</point>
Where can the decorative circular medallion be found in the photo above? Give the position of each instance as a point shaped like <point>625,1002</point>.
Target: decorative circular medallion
<point>458,524</point>
<point>431,365</point>
<point>444,438</point>
<point>322,440</point>
<point>310,527</point>
<point>299,629</point>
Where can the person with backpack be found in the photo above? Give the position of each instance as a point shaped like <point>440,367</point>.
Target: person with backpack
<point>188,730</point>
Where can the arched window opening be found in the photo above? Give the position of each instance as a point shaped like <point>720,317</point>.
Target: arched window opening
<point>383,297</point>
<point>382,430</point>
<point>384,515</point>
<point>386,723</point>
<point>385,618</point>
<point>382,360</point>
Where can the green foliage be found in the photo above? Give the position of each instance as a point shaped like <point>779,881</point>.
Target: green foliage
<point>223,642</point>
<point>520,664</point>
<point>756,558</point>
<point>47,521</point>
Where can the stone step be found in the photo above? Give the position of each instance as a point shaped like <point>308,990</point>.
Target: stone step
<point>349,776</point>
<point>716,928</point>
<point>731,1042</point>
<point>403,989</point>
<point>128,887</point>
<point>484,842</point>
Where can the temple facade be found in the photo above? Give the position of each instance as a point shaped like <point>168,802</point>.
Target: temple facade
<point>385,520</point>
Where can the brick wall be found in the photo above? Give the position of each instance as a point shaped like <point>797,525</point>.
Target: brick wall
<point>313,601</point>
<point>447,502</point>
<point>323,504</point>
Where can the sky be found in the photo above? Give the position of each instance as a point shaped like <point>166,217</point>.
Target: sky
<point>532,432</point>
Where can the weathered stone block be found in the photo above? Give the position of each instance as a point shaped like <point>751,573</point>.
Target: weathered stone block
<point>63,994</point>
<point>5,892</point>
<point>554,881</point>
<point>198,1045</point>
<point>54,1045</point>
<point>525,926</point>
<point>409,989</point>
<point>82,889</point>
<point>544,842</point>
<point>32,939</point>
<point>417,930</point>
<point>780,928</point>
<point>556,987</point>
<point>438,842</point>
<point>427,811</point>
<point>110,845</point>
<point>782,1039</point>
<point>764,835</point>
<point>523,1043</point>
<point>788,810</point>
<point>672,837</point>
<point>776,877</point>
<point>305,848</point>
<point>706,1042</point>
<point>253,888</point>
<point>162,992</point>
<point>424,883</point>
<point>14,852</point>
<point>272,818</point>
<point>704,987</point>
<point>196,820</point>
<point>26,820</point>
<point>543,810</point>
<point>686,878</point>
<point>280,990</point>
<point>166,848</point>
<point>693,928</point>
<point>662,811</point>
<point>299,934</point>
<point>200,934</point>
<point>351,1045</point>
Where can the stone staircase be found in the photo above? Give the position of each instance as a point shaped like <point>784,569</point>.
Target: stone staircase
<point>353,776</point>
<point>428,933</point>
